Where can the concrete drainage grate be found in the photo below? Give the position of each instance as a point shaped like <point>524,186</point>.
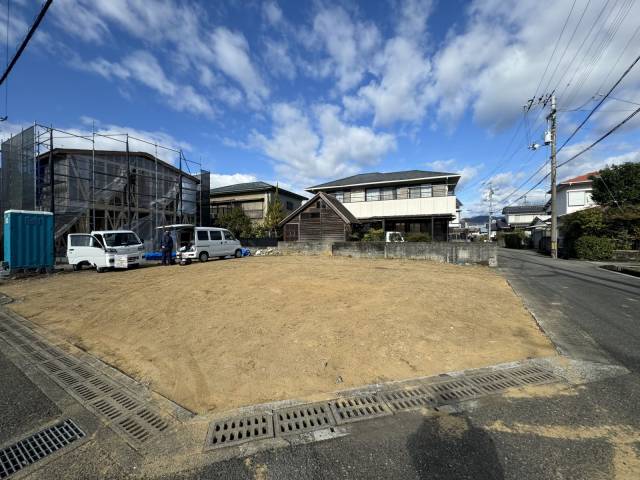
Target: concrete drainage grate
<point>453,391</point>
<point>240,429</point>
<point>302,418</point>
<point>106,408</point>
<point>142,425</point>
<point>493,382</point>
<point>38,446</point>
<point>408,398</point>
<point>533,374</point>
<point>353,409</point>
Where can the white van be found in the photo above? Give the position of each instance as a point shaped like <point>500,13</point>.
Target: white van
<point>204,243</point>
<point>105,249</point>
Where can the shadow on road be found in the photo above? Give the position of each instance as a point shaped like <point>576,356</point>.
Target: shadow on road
<point>450,447</point>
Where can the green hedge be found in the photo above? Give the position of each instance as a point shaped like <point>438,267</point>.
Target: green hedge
<point>374,235</point>
<point>514,240</point>
<point>417,237</point>
<point>594,248</point>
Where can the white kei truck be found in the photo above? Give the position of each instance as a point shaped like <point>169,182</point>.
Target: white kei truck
<point>105,249</point>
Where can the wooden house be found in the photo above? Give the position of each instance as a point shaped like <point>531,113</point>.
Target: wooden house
<point>322,218</point>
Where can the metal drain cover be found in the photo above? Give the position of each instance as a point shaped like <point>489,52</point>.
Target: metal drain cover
<point>532,374</point>
<point>303,418</point>
<point>493,382</point>
<point>453,391</point>
<point>353,409</point>
<point>240,429</point>
<point>408,398</point>
<point>38,446</point>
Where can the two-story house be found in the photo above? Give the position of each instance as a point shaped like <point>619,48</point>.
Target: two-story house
<point>575,194</point>
<point>409,201</point>
<point>253,198</point>
<point>521,216</point>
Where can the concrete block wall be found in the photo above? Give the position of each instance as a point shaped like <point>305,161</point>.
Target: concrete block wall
<point>305,248</point>
<point>444,252</point>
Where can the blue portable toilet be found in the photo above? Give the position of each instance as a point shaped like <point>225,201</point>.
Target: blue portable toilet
<point>28,240</point>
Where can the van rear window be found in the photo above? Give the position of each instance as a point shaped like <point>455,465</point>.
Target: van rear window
<point>202,235</point>
<point>215,234</point>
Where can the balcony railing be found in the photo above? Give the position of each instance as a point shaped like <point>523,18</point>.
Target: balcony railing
<point>403,195</point>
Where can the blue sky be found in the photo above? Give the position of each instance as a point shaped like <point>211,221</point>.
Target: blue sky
<point>304,92</point>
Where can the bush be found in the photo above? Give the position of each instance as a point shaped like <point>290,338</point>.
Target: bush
<point>589,222</point>
<point>514,239</point>
<point>417,237</point>
<point>594,248</point>
<point>374,235</point>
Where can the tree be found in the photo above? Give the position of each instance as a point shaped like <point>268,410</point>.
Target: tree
<point>275,212</point>
<point>238,222</point>
<point>618,185</point>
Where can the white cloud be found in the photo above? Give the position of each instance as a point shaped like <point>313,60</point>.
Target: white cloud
<point>222,180</point>
<point>145,69</point>
<point>306,148</point>
<point>348,43</point>
<point>272,13</point>
<point>401,93</point>
<point>278,59</point>
<point>232,57</point>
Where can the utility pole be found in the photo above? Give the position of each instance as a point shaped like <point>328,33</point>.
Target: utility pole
<point>490,211</point>
<point>554,165</point>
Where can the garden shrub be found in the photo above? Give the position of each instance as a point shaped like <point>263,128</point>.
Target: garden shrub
<point>589,247</point>
<point>417,237</point>
<point>374,235</point>
<point>514,240</point>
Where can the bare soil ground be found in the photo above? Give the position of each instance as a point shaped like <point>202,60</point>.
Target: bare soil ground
<point>236,332</point>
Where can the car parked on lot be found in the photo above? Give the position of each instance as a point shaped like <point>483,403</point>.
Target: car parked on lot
<point>203,243</point>
<point>105,249</point>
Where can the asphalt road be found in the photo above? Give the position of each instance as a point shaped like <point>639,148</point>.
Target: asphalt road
<point>586,310</point>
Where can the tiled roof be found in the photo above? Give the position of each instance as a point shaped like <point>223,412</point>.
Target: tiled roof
<point>523,209</point>
<point>251,187</point>
<point>579,178</point>
<point>377,177</point>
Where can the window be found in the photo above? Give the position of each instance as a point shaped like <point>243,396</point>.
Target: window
<point>426,191</point>
<point>311,215</point>
<point>439,190</point>
<point>118,239</point>
<point>388,193</point>
<point>576,199</point>
<point>339,196</point>
<point>346,195</point>
<point>215,235</point>
<point>414,192</point>
<point>81,240</point>
<point>289,205</point>
<point>372,194</point>
<point>228,235</point>
<point>202,235</point>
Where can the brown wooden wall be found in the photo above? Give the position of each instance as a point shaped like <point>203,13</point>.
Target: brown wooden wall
<point>317,223</point>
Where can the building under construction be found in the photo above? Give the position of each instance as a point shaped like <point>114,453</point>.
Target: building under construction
<point>100,189</point>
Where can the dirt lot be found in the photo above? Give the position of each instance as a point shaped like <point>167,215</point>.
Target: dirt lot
<point>241,331</point>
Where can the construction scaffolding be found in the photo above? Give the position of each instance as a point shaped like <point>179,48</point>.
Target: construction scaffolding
<point>102,181</point>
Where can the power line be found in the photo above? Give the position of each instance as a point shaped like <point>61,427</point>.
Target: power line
<point>594,109</point>
<point>635,112</point>
<point>24,43</point>
<point>581,152</point>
